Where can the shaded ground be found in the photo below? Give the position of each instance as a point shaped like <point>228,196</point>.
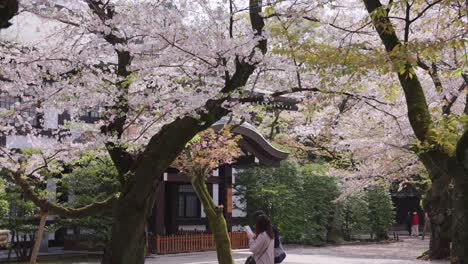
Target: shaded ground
<point>404,252</point>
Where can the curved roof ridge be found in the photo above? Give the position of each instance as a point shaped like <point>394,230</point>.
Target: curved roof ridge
<point>248,130</point>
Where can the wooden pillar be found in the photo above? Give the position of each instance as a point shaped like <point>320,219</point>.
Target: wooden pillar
<point>225,193</point>
<point>160,209</point>
<point>170,220</point>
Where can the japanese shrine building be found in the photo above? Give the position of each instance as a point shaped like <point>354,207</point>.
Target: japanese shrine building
<point>177,208</point>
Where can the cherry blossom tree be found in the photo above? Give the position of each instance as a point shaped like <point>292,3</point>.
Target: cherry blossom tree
<point>438,154</point>
<point>155,73</point>
<point>424,54</point>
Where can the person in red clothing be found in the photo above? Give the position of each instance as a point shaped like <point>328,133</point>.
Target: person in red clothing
<point>415,225</point>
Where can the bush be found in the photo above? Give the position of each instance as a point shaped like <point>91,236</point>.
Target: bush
<point>304,204</point>
<point>381,211</point>
<point>319,195</point>
<point>355,216</point>
<point>299,203</point>
<point>273,190</point>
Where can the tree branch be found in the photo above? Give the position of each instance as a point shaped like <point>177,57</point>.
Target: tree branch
<point>314,89</point>
<point>165,146</point>
<point>418,111</point>
<point>54,208</point>
<point>429,6</point>
<point>387,113</point>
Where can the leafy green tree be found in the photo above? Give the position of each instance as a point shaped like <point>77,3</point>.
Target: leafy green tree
<point>440,142</point>
<point>276,191</point>
<point>4,205</point>
<point>94,179</point>
<point>19,216</point>
<point>381,214</point>
<point>320,193</point>
<point>355,216</point>
<point>299,202</point>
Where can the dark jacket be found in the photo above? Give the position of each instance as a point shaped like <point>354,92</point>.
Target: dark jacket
<point>408,221</point>
<point>277,239</point>
<point>281,257</point>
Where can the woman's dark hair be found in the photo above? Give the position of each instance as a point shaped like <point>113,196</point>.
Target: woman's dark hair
<point>263,224</point>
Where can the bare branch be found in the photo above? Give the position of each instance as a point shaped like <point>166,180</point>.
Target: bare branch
<point>314,89</point>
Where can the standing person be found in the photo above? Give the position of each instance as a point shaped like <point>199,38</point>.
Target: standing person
<point>409,222</point>
<point>415,222</point>
<point>280,254</point>
<point>262,244</point>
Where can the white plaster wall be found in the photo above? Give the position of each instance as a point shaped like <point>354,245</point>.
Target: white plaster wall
<point>215,199</point>
<point>51,118</point>
<point>19,141</point>
<point>238,208</point>
<point>51,188</point>
<point>15,141</point>
<point>192,228</point>
<point>237,228</point>
<point>216,194</point>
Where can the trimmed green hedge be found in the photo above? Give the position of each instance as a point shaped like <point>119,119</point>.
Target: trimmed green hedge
<point>306,208</point>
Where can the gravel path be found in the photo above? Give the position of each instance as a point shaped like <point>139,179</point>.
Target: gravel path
<point>404,252</point>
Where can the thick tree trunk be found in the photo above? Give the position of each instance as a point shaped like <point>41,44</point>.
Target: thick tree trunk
<point>128,240</point>
<point>216,221</point>
<point>438,203</point>
<point>460,204</point>
<point>460,220</point>
<point>440,161</point>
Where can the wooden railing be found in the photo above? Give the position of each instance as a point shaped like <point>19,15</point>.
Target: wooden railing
<point>192,242</point>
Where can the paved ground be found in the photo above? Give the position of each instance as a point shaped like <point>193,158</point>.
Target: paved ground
<point>404,252</point>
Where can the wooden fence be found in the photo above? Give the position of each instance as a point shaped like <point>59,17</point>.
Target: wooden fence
<point>192,242</point>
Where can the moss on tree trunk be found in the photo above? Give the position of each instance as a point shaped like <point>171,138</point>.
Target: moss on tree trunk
<point>459,253</point>
<point>440,161</point>
<point>216,220</point>
<point>460,204</point>
<point>438,203</point>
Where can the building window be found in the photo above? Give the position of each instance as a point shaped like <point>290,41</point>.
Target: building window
<point>31,116</point>
<point>189,206</point>
<point>8,102</point>
<point>90,115</point>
